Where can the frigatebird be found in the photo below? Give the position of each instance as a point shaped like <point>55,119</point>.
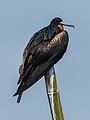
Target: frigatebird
<point>41,53</point>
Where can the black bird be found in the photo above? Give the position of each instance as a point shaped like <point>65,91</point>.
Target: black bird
<point>41,53</point>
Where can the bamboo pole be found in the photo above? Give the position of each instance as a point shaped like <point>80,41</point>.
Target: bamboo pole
<point>53,95</point>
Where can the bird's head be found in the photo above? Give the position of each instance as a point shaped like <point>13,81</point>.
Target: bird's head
<point>58,25</point>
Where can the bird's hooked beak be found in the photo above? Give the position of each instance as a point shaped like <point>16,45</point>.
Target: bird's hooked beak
<point>61,25</point>
<point>67,25</point>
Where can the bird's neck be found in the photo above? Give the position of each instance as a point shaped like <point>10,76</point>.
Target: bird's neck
<point>50,31</point>
<point>55,28</point>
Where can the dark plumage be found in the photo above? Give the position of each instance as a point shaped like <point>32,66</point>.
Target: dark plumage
<point>45,48</point>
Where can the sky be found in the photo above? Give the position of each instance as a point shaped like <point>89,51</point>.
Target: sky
<point>19,19</point>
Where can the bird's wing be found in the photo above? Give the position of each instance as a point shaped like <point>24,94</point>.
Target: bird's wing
<point>31,46</point>
<point>45,34</point>
<point>30,51</point>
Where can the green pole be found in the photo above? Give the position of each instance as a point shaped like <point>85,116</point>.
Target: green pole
<point>53,95</point>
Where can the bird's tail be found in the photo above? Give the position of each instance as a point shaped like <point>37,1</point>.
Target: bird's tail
<point>19,98</point>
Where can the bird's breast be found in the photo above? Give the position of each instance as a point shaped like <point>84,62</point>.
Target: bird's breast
<point>58,42</point>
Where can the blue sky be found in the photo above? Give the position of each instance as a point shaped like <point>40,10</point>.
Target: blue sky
<point>19,19</point>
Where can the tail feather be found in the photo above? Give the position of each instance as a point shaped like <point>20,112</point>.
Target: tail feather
<point>15,94</point>
<point>19,98</point>
<point>20,79</point>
